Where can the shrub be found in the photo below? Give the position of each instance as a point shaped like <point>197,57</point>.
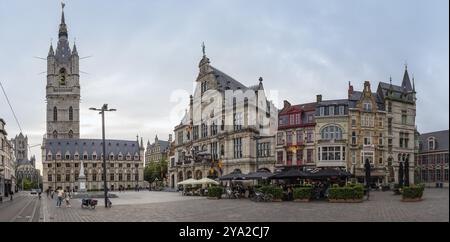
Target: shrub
<point>413,191</point>
<point>303,192</point>
<point>275,191</point>
<point>347,192</point>
<point>215,192</point>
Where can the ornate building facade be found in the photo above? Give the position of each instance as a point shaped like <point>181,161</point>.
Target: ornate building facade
<point>367,134</point>
<point>158,150</point>
<point>7,163</point>
<point>295,137</point>
<point>25,167</point>
<point>432,159</point>
<point>228,127</point>
<point>331,133</point>
<point>400,103</point>
<point>63,152</point>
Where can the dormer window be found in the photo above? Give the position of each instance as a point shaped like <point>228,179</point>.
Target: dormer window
<point>431,143</point>
<point>367,107</point>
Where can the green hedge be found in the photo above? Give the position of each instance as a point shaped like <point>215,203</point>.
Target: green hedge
<point>303,192</point>
<point>215,192</point>
<point>413,191</point>
<point>346,192</point>
<point>276,192</point>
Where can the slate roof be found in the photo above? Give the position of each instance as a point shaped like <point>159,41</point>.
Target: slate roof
<point>356,96</point>
<point>91,146</point>
<point>225,82</point>
<point>441,138</point>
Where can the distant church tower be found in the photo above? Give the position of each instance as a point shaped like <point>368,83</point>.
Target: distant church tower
<point>63,88</point>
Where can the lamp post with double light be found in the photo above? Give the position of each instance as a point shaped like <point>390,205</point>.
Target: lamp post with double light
<point>102,111</point>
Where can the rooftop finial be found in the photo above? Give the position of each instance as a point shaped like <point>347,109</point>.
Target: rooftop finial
<point>62,9</point>
<point>62,26</point>
<point>203,48</point>
<point>406,65</point>
<point>260,79</point>
<point>390,79</point>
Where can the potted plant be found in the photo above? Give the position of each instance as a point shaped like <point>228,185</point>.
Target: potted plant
<point>303,194</point>
<point>275,191</point>
<point>413,193</point>
<point>346,194</point>
<point>215,192</point>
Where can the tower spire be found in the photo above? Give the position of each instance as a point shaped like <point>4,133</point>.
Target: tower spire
<point>62,25</point>
<point>203,48</point>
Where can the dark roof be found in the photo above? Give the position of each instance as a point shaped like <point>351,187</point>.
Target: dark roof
<point>441,138</point>
<point>333,102</point>
<point>356,96</point>
<point>299,107</point>
<point>406,83</point>
<point>225,82</point>
<point>90,146</point>
<point>63,52</point>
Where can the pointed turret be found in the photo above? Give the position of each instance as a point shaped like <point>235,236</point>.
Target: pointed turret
<point>51,52</point>
<point>260,85</point>
<point>406,83</point>
<point>74,50</point>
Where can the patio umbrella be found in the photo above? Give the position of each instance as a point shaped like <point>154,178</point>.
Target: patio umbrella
<point>328,172</point>
<point>289,174</point>
<point>206,181</point>
<point>232,176</point>
<point>189,181</point>
<point>257,175</point>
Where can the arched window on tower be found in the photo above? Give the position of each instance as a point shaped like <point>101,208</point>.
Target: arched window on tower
<point>55,114</point>
<point>70,134</point>
<point>70,114</point>
<point>55,134</point>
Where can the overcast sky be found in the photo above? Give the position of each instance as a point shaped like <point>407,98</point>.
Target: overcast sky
<point>142,51</point>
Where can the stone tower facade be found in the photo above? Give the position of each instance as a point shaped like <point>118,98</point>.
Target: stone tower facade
<point>63,88</point>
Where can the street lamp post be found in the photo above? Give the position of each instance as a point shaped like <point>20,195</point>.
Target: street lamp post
<point>102,112</point>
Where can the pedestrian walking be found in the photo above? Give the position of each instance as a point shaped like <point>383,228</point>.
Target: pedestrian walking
<point>60,194</point>
<point>52,193</point>
<point>67,196</point>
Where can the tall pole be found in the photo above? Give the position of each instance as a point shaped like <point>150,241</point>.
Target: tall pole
<point>102,112</point>
<point>104,155</point>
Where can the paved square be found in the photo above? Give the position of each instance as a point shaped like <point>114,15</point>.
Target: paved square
<point>147,206</point>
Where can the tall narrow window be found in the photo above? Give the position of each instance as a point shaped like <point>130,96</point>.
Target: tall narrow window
<point>55,114</point>
<point>62,76</point>
<point>70,114</point>
<point>70,134</point>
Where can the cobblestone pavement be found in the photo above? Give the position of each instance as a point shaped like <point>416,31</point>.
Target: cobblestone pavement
<point>162,207</point>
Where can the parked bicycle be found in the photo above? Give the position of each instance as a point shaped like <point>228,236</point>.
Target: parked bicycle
<point>261,197</point>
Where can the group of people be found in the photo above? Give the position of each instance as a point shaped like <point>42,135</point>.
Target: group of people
<point>61,195</point>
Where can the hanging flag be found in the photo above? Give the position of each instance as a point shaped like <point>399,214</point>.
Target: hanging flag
<point>220,166</point>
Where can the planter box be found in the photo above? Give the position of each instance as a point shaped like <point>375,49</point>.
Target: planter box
<point>417,199</point>
<point>302,200</point>
<point>345,200</point>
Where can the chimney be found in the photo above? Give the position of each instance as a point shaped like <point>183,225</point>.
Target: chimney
<point>350,89</point>
<point>319,98</point>
<point>286,104</point>
<point>170,138</point>
<point>366,86</point>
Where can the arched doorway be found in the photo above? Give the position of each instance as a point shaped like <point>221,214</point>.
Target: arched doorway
<point>189,174</point>
<point>198,174</point>
<point>180,176</point>
<point>172,179</point>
